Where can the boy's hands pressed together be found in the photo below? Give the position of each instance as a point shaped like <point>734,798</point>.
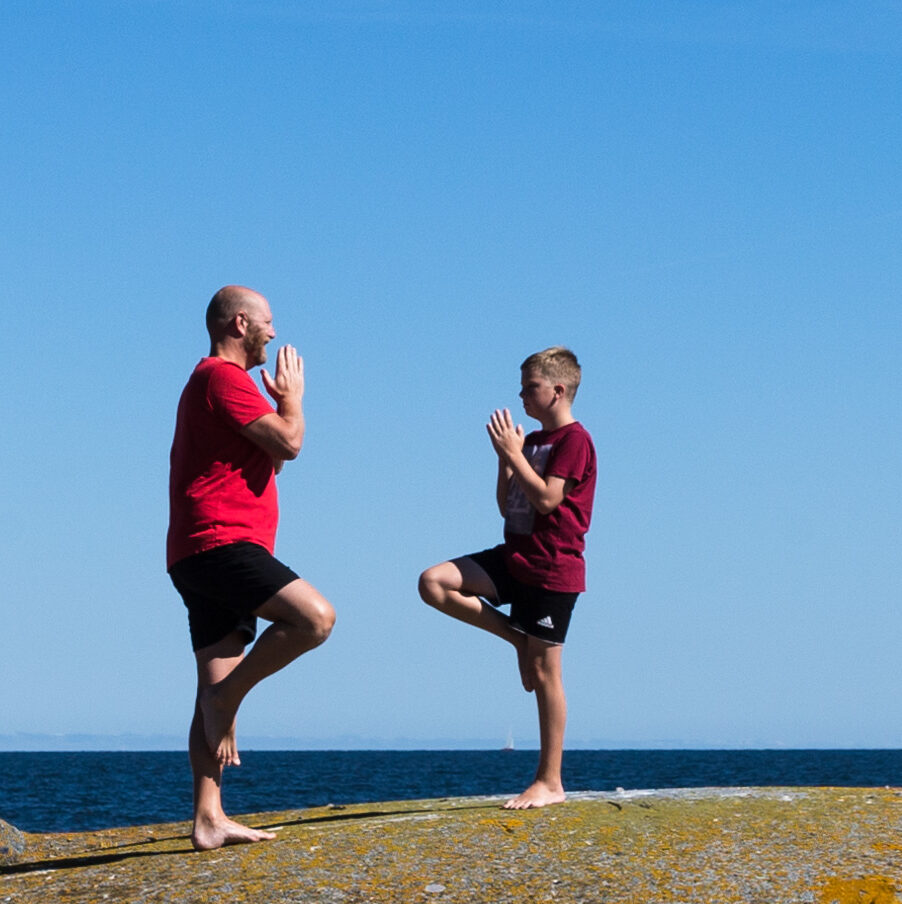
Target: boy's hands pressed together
<point>544,494</point>
<point>506,438</point>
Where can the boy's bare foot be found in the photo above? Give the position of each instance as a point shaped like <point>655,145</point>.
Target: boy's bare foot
<point>219,728</point>
<point>524,671</point>
<point>208,835</point>
<point>538,794</point>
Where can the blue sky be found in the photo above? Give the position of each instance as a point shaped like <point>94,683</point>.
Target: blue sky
<point>702,199</point>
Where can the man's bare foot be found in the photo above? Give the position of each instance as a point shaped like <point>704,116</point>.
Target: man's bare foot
<point>209,834</point>
<point>538,794</point>
<point>219,728</point>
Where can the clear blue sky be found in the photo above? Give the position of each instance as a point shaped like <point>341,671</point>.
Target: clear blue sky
<point>702,199</point>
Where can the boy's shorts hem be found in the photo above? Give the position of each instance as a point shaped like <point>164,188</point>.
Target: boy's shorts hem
<point>535,611</point>
<point>223,587</point>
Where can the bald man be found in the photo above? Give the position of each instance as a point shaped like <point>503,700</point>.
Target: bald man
<point>229,445</point>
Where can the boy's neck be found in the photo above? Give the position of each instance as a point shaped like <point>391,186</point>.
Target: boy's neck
<point>559,416</point>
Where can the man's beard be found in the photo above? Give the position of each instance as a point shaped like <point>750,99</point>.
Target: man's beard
<point>255,346</point>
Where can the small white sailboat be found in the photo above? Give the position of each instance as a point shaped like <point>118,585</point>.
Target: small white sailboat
<point>509,744</point>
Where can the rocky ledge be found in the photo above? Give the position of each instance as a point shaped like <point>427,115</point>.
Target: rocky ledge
<point>717,846</point>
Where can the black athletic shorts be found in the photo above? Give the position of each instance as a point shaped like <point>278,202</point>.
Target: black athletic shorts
<point>544,614</point>
<point>223,587</point>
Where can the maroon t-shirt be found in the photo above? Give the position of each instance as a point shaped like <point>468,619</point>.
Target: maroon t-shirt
<point>547,550</point>
<point>222,486</point>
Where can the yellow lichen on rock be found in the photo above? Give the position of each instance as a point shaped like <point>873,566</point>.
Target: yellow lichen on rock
<point>726,846</point>
<point>872,890</point>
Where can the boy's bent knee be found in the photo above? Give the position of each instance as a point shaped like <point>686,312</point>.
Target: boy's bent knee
<point>426,587</point>
<point>431,587</point>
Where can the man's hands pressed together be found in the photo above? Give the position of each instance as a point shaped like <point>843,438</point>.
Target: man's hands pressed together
<point>289,378</point>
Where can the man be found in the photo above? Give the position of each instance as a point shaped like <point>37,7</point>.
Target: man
<point>229,444</point>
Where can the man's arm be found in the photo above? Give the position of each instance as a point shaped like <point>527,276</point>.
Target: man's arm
<point>281,433</point>
<point>545,495</point>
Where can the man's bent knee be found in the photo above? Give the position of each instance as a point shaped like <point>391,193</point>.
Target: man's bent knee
<point>322,623</point>
<point>316,620</point>
<point>303,607</point>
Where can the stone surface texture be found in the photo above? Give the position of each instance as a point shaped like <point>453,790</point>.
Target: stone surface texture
<point>12,843</point>
<point>717,846</point>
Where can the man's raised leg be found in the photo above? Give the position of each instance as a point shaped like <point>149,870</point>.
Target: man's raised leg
<point>212,828</point>
<point>543,665</point>
<point>301,620</point>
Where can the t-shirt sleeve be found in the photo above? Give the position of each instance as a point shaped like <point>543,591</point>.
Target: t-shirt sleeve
<point>234,396</point>
<point>570,457</point>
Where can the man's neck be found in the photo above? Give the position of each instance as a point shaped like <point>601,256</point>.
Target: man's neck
<point>229,352</point>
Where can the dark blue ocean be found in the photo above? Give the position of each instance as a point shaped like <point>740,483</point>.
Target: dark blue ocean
<point>61,792</point>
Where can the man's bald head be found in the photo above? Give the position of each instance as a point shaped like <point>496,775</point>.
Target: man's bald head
<point>225,306</point>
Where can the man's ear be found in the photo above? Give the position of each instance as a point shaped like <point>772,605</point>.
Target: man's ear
<point>239,324</point>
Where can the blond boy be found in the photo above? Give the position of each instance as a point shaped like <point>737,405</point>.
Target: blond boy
<point>546,486</point>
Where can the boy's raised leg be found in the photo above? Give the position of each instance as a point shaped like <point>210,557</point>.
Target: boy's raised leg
<point>457,588</point>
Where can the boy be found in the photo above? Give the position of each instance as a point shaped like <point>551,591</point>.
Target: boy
<point>546,485</point>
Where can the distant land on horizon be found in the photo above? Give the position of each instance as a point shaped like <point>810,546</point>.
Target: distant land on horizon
<point>27,742</point>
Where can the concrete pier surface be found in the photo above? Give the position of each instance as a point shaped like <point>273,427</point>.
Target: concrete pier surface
<point>711,845</point>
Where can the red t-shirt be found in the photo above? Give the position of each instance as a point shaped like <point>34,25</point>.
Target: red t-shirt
<point>222,486</point>
<point>547,550</point>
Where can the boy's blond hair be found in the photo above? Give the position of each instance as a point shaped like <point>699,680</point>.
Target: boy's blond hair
<point>558,365</point>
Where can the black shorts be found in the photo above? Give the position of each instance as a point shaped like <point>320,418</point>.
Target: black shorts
<point>223,587</point>
<point>540,613</point>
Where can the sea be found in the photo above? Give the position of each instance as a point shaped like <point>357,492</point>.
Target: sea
<point>84,791</point>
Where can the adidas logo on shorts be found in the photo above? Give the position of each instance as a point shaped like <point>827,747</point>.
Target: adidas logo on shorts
<point>546,622</point>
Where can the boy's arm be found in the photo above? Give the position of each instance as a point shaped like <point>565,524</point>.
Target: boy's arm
<point>504,479</point>
<point>545,495</point>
